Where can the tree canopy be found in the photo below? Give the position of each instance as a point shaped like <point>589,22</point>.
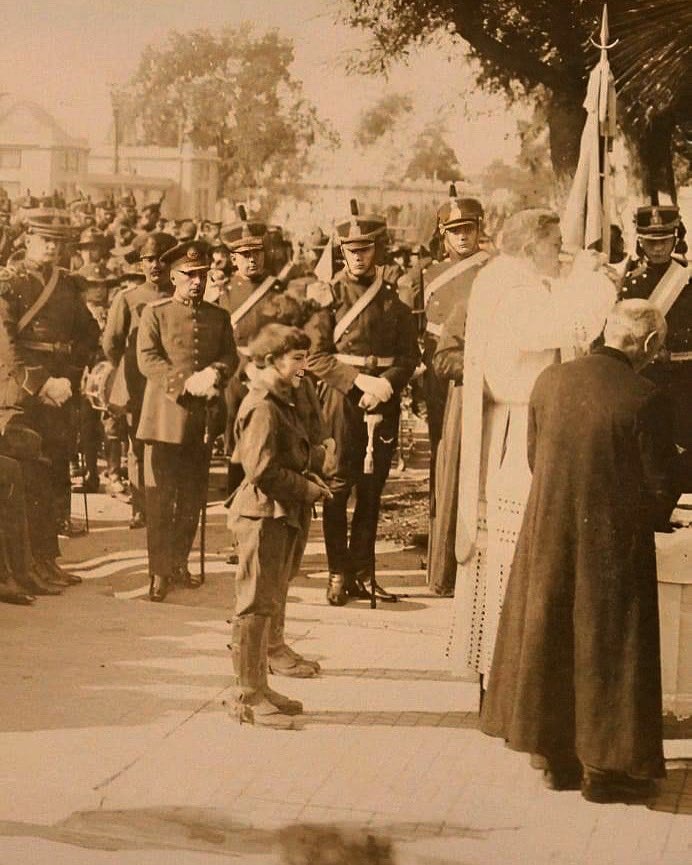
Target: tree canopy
<point>232,89</point>
<point>542,47</point>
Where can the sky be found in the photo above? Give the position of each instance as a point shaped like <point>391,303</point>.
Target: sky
<point>66,55</point>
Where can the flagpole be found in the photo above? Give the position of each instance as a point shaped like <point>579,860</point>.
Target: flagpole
<point>605,122</point>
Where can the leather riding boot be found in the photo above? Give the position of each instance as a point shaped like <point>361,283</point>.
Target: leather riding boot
<point>35,584</point>
<point>248,650</point>
<point>336,590</point>
<point>10,593</point>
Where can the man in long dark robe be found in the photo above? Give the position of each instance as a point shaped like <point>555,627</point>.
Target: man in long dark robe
<point>575,679</point>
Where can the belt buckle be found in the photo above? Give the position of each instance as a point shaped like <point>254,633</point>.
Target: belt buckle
<point>371,363</point>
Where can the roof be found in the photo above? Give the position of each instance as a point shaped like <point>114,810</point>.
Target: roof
<point>26,123</point>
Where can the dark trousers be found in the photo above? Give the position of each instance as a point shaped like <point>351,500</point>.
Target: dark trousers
<point>57,428</point>
<point>175,479</point>
<point>27,518</point>
<point>353,553</point>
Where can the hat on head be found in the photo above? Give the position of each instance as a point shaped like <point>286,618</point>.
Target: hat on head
<point>657,221</point>
<point>154,244</point>
<point>132,271</point>
<point>187,230</point>
<point>457,211</point>
<point>360,230</point>
<point>244,234</point>
<point>82,205</point>
<point>92,237</point>
<point>50,222</point>
<point>189,256</point>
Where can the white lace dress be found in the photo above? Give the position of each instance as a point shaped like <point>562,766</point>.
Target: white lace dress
<point>516,324</point>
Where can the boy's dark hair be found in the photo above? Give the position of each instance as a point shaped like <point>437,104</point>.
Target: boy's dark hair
<point>277,339</point>
<point>282,309</point>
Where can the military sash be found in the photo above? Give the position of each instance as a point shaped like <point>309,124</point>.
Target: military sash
<point>669,288</point>
<point>41,300</point>
<point>359,306</point>
<point>261,290</point>
<point>253,300</point>
<point>452,272</point>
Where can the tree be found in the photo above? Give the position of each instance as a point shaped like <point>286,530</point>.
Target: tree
<point>542,48</point>
<point>433,158</point>
<point>381,118</point>
<point>234,90</point>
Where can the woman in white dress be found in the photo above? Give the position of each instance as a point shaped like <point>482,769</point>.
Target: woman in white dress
<point>521,315</point>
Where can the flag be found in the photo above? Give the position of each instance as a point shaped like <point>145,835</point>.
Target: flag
<point>588,211</point>
<point>324,269</point>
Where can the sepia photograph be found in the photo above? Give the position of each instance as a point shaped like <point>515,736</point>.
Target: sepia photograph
<point>346,432</point>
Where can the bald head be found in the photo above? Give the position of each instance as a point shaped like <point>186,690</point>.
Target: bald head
<point>637,328</point>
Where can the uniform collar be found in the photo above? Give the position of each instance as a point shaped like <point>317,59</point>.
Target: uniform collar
<point>183,301</point>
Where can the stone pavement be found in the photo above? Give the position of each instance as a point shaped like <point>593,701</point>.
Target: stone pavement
<point>116,747</point>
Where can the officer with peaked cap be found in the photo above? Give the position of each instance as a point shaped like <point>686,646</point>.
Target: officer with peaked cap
<point>662,276</point>
<point>54,336</point>
<point>446,290</point>
<point>363,351</point>
<point>120,348</point>
<point>186,352</point>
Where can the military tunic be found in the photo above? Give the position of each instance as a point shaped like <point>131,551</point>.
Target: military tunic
<point>175,339</point>
<point>385,329</point>
<point>672,368</point>
<point>120,347</point>
<point>57,342</point>
<point>453,279</point>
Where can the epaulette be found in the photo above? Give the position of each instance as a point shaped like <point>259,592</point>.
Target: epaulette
<point>161,302</point>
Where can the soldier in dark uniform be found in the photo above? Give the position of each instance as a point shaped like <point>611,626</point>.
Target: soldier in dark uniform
<point>445,284</point>
<point>28,541</point>
<point>120,348</point>
<point>54,335</point>
<point>249,288</point>
<point>363,351</point>
<point>185,350</point>
<point>662,276</point>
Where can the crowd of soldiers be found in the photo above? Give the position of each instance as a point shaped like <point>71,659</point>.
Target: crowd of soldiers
<point>98,359</point>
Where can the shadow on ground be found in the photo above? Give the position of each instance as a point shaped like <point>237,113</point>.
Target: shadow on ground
<point>215,831</point>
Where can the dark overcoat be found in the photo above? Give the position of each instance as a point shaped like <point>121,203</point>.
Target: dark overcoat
<point>577,658</point>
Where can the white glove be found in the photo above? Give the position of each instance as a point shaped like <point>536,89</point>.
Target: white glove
<point>55,391</point>
<point>329,464</point>
<point>368,402</point>
<point>380,388</point>
<point>202,383</point>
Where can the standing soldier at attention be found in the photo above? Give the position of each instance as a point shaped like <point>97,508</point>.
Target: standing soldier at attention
<point>447,291</point>
<point>447,283</point>
<point>186,352</point>
<point>662,276</point>
<point>120,348</point>
<point>54,335</point>
<point>363,352</point>
<point>250,286</point>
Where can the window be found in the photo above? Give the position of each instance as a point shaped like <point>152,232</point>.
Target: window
<point>10,157</point>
